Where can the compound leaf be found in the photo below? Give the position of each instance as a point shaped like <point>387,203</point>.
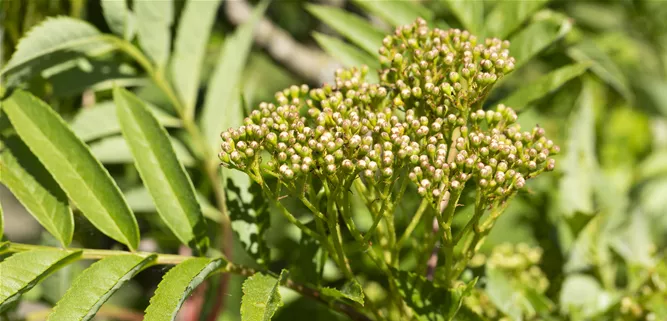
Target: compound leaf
<point>23,174</point>
<point>119,18</point>
<point>73,166</point>
<point>22,271</point>
<point>396,13</point>
<point>353,27</point>
<point>100,121</point>
<point>154,20</point>
<point>36,51</point>
<point>177,285</point>
<point>189,50</point>
<point>261,298</point>
<point>543,86</point>
<point>164,177</point>
<point>348,55</point>
<point>226,79</point>
<point>95,285</point>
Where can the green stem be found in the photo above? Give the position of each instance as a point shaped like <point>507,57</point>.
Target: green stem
<point>334,230</point>
<point>413,223</point>
<point>289,215</point>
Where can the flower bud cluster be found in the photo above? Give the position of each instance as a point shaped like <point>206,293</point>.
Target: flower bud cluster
<point>436,69</point>
<point>420,120</point>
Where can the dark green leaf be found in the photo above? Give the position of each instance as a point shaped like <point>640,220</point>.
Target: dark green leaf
<point>154,20</point>
<point>100,120</point>
<point>507,15</point>
<point>358,30</point>
<point>115,150</point>
<point>547,27</point>
<point>348,55</point>
<point>164,177</point>
<point>194,29</point>
<point>36,189</point>
<point>177,285</point>
<point>469,13</point>
<point>429,301</point>
<point>22,271</point>
<point>119,18</point>
<point>73,166</point>
<point>396,13</point>
<point>261,297</point>
<point>543,86</point>
<point>95,285</point>
<point>37,50</point>
<point>79,74</point>
<point>351,290</point>
<point>221,95</point>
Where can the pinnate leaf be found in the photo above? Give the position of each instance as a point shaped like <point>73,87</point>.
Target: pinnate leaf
<point>396,13</point>
<point>35,188</point>
<point>36,51</point>
<point>348,55</point>
<point>154,20</point>
<point>190,47</point>
<point>261,298</point>
<point>73,166</point>
<point>177,285</point>
<point>355,28</point>
<point>119,18</point>
<point>164,177</point>
<point>22,271</point>
<point>95,285</point>
<point>100,121</point>
<point>543,86</point>
<point>222,95</point>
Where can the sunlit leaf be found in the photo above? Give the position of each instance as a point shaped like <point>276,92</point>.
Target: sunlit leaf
<point>165,178</point>
<point>582,296</point>
<point>35,188</point>
<point>73,166</point>
<point>351,290</point>
<point>348,55</point>
<point>508,15</point>
<point>226,79</point>
<point>140,201</point>
<point>2,222</point>
<point>261,297</point>
<point>115,150</point>
<point>177,285</point>
<point>543,86</point>
<point>192,36</point>
<point>469,13</point>
<point>119,18</point>
<point>22,271</point>
<point>546,28</point>
<point>358,30</point>
<point>397,13</point>
<point>95,285</point>
<point>154,20</point>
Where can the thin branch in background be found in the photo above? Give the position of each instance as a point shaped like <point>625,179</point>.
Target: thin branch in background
<point>309,63</point>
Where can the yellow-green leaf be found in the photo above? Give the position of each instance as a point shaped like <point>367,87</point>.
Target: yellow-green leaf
<point>396,13</point>
<point>71,163</point>
<point>164,177</point>
<point>261,298</point>
<point>154,20</point>
<point>119,18</point>
<point>507,15</point>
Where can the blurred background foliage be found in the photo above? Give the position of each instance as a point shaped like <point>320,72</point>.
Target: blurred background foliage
<point>587,242</point>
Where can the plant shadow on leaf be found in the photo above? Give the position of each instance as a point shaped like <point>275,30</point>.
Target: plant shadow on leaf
<point>255,217</point>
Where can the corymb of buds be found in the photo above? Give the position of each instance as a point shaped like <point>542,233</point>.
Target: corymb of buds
<point>424,120</point>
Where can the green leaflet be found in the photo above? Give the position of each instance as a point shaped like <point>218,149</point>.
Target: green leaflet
<point>356,29</point>
<point>140,201</point>
<point>55,35</point>
<point>222,93</point>
<point>2,222</point>
<point>73,166</point>
<point>469,13</point>
<point>543,86</point>
<point>164,177</point>
<point>429,301</point>
<point>547,28</point>
<point>119,18</point>
<point>154,20</point>
<point>189,50</point>
<point>507,15</point>
<point>396,13</point>
<point>35,188</point>
<point>177,285</point>
<point>21,271</point>
<point>261,298</point>
<point>100,121</point>
<point>347,54</point>
<point>115,150</point>
<point>95,285</point>
<point>351,290</point>
<point>81,73</point>
<point>602,66</point>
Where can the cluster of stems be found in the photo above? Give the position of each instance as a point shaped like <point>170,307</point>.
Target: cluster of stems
<point>423,128</point>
